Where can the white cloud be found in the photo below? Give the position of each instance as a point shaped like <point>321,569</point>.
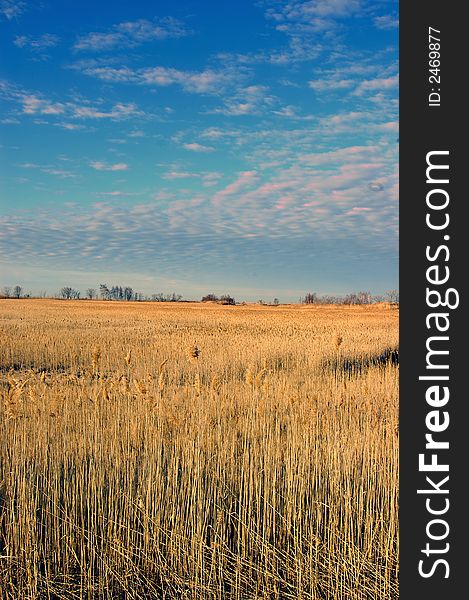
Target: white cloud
<point>50,170</point>
<point>69,126</point>
<point>386,22</point>
<point>32,105</point>
<point>12,8</point>
<point>101,166</point>
<point>331,84</point>
<point>313,10</point>
<point>378,84</point>
<point>58,172</point>
<point>119,111</point>
<point>172,175</point>
<point>251,100</point>
<point>46,40</point>
<point>208,81</point>
<point>195,147</point>
<point>36,104</point>
<point>299,18</point>
<point>131,34</point>
<point>29,166</point>
<point>211,178</point>
<point>136,134</point>
<point>245,179</point>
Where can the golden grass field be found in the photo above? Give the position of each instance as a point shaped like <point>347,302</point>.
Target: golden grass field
<point>153,450</point>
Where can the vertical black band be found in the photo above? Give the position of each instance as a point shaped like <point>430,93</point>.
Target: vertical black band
<point>433,267</point>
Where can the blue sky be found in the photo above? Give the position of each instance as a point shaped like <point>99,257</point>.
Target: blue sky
<point>246,147</point>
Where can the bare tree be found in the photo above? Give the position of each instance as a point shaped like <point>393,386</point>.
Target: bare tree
<point>364,297</point>
<point>127,293</point>
<point>393,296</point>
<point>7,291</point>
<point>67,293</point>
<point>310,298</point>
<point>276,302</point>
<point>104,291</point>
<point>17,290</point>
<point>90,293</point>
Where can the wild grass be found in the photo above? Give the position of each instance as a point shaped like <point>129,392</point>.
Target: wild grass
<point>199,452</point>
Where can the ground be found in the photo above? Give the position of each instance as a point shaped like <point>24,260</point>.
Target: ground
<point>185,450</point>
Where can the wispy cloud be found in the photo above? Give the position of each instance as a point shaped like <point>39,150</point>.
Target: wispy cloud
<point>49,170</point>
<point>331,84</point>
<point>378,84</point>
<point>43,42</point>
<point>244,180</point>
<point>386,22</point>
<point>314,16</point>
<point>33,105</point>
<point>130,34</point>
<point>174,175</point>
<point>37,104</point>
<point>364,77</point>
<point>339,205</point>
<point>251,100</point>
<point>119,111</point>
<point>59,172</point>
<point>207,178</point>
<point>11,9</point>
<point>207,81</point>
<point>195,147</point>
<point>101,166</point>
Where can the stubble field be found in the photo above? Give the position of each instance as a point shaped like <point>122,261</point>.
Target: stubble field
<point>153,450</point>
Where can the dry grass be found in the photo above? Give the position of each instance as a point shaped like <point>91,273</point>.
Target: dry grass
<point>202,452</point>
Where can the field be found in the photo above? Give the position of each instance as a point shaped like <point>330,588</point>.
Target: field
<point>176,450</point>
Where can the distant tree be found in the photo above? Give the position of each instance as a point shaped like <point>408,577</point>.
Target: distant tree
<point>276,302</point>
<point>90,293</point>
<point>261,302</point>
<point>327,299</point>
<point>310,298</point>
<point>175,297</point>
<point>67,293</point>
<point>104,291</point>
<point>393,296</point>
<point>226,299</point>
<point>17,290</point>
<point>363,298</point>
<point>210,298</point>
<point>7,291</point>
<point>127,293</point>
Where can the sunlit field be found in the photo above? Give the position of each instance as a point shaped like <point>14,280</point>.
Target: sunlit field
<point>177,450</point>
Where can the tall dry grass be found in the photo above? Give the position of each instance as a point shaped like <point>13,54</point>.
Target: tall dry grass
<point>202,452</point>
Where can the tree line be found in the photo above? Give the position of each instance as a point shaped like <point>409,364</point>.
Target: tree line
<point>392,296</point>
<point>127,294</point>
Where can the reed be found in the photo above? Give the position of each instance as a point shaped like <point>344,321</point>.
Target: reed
<point>255,469</point>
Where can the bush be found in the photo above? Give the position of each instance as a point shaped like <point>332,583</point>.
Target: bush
<point>210,298</point>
